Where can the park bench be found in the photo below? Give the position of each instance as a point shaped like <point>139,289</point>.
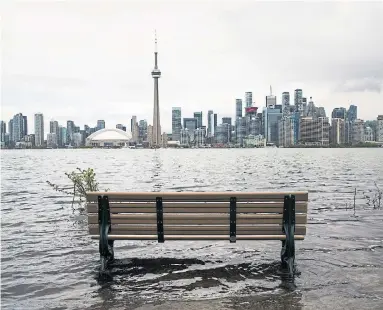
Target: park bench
<point>167,216</point>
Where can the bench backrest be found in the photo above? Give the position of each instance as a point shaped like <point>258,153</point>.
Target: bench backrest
<point>197,215</point>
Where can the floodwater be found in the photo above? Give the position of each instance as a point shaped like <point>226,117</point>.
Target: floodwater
<point>49,262</point>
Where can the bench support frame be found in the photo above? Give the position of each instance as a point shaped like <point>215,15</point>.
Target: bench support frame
<point>233,219</point>
<point>160,220</point>
<point>288,227</point>
<point>104,222</point>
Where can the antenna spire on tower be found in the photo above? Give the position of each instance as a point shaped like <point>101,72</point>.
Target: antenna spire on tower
<point>271,91</point>
<point>155,40</point>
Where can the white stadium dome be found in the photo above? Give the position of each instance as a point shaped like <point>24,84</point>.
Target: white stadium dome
<point>108,137</point>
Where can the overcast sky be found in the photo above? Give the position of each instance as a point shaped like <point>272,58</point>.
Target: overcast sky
<point>88,60</point>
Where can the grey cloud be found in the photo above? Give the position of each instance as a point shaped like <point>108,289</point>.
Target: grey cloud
<point>361,85</point>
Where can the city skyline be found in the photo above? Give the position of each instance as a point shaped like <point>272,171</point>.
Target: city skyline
<point>127,123</point>
<point>88,65</point>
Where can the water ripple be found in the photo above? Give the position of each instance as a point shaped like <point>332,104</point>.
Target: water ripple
<point>49,261</point>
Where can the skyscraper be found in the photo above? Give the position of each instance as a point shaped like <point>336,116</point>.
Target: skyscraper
<point>134,128</point>
<point>25,126</point>
<point>198,117</point>
<point>238,108</point>
<point>70,130</point>
<point>100,124</point>
<point>271,100</point>
<point>285,99</point>
<point>10,129</point>
<point>3,131</point>
<point>18,128</point>
<point>249,99</point>
<point>39,129</point>
<point>176,124</point>
<point>352,113</point>
<point>210,122</point>
<point>156,74</point>
<point>339,113</point>
<point>298,94</point>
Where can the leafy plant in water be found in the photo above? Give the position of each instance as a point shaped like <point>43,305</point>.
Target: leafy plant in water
<point>84,180</point>
<point>374,198</point>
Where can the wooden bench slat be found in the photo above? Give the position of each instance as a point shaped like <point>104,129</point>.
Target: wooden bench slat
<point>197,208</point>
<point>196,196</point>
<point>198,219</point>
<point>153,227</point>
<point>199,237</point>
<point>94,230</point>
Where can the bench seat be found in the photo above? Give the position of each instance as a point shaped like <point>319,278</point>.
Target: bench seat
<point>163,217</point>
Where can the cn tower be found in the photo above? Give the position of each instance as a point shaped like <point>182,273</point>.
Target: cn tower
<point>156,74</point>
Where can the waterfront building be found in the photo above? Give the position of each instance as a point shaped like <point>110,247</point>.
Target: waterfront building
<point>164,139</point>
<point>223,134</point>
<point>240,130</point>
<point>52,140</point>
<point>314,131</point>
<point>105,138</point>
<point>338,131</point>
<point>357,133</point>
<point>177,123</point>
<point>254,141</point>
<point>369,134</point>
<point>379,135</point>
<point>272,115</point>
<point>288,130</point>
<point>39,129</point>
<point>150,135</point>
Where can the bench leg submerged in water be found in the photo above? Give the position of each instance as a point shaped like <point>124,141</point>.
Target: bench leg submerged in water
<point>105,245</point>
<point>288,245</point>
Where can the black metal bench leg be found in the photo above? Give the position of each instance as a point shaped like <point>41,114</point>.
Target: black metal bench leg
<point>288,245</point>
<point>105,245</point>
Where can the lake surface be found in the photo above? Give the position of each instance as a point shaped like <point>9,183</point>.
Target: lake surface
<point>48,260</point>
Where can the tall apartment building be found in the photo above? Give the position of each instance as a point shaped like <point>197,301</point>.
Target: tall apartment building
<point>39,129</point>
<point>357,133</point>
<point>176,124</point>
<point>134,128</point>
<point>379,135</point>
<point>249,99</point>
<point>210,122</point>
<point>314,131</point>
<point>288,129</point>
<point>198,117</point>
<point>18,128</point>
<point>338,131</point>
<point>100,124</point>
<point>3,131</point>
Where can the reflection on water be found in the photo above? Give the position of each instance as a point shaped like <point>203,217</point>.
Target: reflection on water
<point>49,261</point>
